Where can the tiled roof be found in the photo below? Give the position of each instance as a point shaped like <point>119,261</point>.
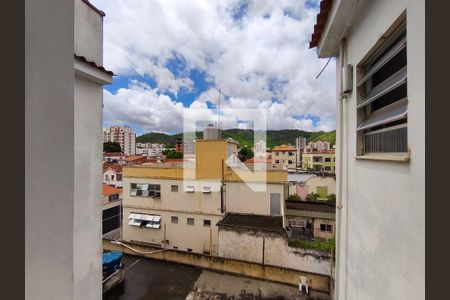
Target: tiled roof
<point>325,7</point>
<point>113,154</point>
<point>114,167</point>
<point>134,157</point>
<point>258,160</point>
<point>284,148</point>
<point>93,64</point>
<point>109,190</point>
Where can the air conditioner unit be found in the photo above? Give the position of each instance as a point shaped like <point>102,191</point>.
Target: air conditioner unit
<point>206,190</point>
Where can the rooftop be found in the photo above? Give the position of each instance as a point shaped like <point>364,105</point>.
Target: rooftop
<point>331,151</point>
<point>310,206</point>
<point>109,190</point>
<point>249,221</point>
<point>284,148</point>
<point>133,158</point>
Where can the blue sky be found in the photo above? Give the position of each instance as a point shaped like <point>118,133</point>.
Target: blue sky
<point>170,55</point>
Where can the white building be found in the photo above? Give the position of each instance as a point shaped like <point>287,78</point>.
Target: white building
<point>380,65</point>
<point>260,149</point>
<point>64,80</point>
<point>123,135</point>
<point>149,149</point>
<point>317,146</point>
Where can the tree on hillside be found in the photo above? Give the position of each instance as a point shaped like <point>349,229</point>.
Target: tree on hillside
<point>111,147</point>
<point>245,153</point>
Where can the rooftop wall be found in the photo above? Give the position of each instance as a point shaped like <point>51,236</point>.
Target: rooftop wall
<point>88,32</point>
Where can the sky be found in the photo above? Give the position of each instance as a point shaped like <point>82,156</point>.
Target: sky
<point>175,56</point>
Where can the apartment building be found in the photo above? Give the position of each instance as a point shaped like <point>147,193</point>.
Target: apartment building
<point>112,210</point>
<point>318,146</point>
<point>123,135</point>
<point>149,149</point>
<point>64,78</point>
<point>380,65</point>
<point>300,145</point>
<point>322,161</point>
<point>285,156</point>
<point>178,206</point>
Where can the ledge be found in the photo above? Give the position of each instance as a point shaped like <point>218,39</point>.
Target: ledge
<point>385,157</point>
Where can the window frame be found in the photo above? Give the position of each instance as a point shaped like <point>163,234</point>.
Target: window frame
<point>392,43</point>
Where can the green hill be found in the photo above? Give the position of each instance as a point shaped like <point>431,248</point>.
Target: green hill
<point>245,137</point>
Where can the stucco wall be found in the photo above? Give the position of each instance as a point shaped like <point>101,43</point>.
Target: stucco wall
<point>323,234</point>
<point>88,188</point>
<point>248,245</point>
<point>240,198</point>
<point>316,181</point>
<point>49,151</point>
<point>382,242</point>
<point>88,33</point>
<point>197,237</point>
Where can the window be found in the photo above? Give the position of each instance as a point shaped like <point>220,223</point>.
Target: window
<point>145,190</point>
<point>206,252</point>
<point>174,188</point>
<point>207,223</point>
<point>190,221</point>
<point>189,249</point>
<point>277,161</point>
<point>327,159</point>
<point>206,190</point>
<point>326,227</point>
<point>382,98</point>
<point>144,220</point>
<point>289,161</point>
<point>317,159</point>
<point>174,220</point>
<point>112,177</point>
<point>106,177</point>
<point>327,168</point>
<point>119,177</point>
<point>190,189</point>
<point>113,197</point>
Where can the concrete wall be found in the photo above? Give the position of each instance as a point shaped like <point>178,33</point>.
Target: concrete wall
<point>248,246</point>
<point>272,273</point>
<point>381,246</point>
<point>317,181</point>
<point>197,237</point>
<point>88,33</point>
<point>88,189</point>
<point>111,181</point>
<point>49,151</point>
<point>240,198</point>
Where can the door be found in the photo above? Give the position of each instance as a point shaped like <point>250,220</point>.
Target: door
<point>275,209</point>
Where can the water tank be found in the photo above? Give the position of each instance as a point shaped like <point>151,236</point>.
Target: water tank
<point>210,133</point>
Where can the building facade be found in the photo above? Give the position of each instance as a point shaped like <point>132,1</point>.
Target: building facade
<point>149,149</point>
<point>318,146</point>
<point>322,161</point>
<point>123,135</point>
<point>285,156</point>
<point>178,207</point>
<point>300,145</point>
<point>380,67</point>
<point>63,183</point>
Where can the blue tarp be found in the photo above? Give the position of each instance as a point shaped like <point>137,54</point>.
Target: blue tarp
<point>111,261</point>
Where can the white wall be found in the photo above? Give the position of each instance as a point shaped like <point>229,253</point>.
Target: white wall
<point>382,241</point>
<point>88,189</point>
<point>88,33</point>
<point>49,151</point>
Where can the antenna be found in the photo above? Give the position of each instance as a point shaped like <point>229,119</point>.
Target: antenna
<point>218,126</point>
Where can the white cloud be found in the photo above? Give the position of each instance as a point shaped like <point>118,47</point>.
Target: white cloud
<point>263,56</point>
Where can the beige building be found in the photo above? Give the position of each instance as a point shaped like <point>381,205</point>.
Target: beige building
<point>123,135</point>
<point>178,206</point>
<point>322,161</point>
<point>318,146</point>
<point>285,156</point>
<point>380,160</point>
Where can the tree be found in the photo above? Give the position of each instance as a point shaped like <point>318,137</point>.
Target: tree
<point>173,154</point>
<point>111,147</point>
<point>312,197</point>
<point>332,199</point>
<point>245,153</point>
<point>294,197</point>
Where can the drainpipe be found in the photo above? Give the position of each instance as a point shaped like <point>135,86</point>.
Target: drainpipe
<point>341,222</point>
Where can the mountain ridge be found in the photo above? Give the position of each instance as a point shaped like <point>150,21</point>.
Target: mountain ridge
<point>245,137</point>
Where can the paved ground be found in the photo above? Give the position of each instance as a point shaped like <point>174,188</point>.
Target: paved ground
<point>152,279</point>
